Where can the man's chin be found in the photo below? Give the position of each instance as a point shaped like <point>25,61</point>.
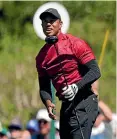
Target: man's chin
<point>49,34</point>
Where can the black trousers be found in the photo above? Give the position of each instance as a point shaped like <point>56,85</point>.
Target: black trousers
<point>86,108</point>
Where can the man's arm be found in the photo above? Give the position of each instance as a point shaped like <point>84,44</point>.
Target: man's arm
<point>106,111</point>
<point>95,87</point>
<point>86,58</point>
<point>46,94</point>
<point>92,75</point>
<point>45,89</point>
<point>104,115</point>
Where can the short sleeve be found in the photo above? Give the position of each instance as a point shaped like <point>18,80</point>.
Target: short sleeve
<point>83,52</point>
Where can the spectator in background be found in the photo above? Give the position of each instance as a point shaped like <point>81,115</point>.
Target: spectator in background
<point>114,124</point>
<point>32,126</point>
<point>3,133</point>
<point>44,123</point>
<point>104,116</point>
<point>95,87</point>
<point>106,113</point>
<point>15,128</point>
<point>25,135</point>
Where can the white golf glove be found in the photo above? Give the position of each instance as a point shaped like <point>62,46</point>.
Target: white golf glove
<point>70,91</point>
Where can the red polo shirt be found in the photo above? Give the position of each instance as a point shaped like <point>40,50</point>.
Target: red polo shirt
<point>69,53</point>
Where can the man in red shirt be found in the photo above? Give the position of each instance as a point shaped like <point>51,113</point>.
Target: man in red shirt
<point>71,65</point>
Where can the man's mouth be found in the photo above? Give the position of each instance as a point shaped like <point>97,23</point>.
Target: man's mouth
<point>48,29</point>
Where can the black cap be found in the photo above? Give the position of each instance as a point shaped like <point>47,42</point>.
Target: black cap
<point>51,11</point>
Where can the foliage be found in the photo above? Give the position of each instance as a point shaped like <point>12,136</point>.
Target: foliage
<point>19,45</point>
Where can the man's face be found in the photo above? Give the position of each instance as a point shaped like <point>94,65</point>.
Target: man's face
<point>51,25</point>
<point>2,136</point>
<point>44,127</point>
<point>15,133</point>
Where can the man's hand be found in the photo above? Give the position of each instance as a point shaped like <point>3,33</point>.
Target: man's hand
<point>51,107</point>
<point>70,91</point>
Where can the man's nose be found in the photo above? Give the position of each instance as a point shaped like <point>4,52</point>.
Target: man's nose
<point>48,23</point>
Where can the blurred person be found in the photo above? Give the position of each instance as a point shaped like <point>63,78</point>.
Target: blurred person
<point>3,133</point>
<point>71,65</point>
<point>107,118</point>
<point>114,124</point>
<point>98,132</point>
<point>15,128</point>
<point>95,87</point>
<point>44,123</point>
<point>104,116</point>
<point>32,126</point>
<point>25,135</point>
<point>106,111</point>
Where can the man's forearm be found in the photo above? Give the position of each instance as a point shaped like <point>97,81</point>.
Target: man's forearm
<point>47,100</point>
<point>106,110</point>
<point>45,89</point>
<point>45,97</point>
<point>92,75</point>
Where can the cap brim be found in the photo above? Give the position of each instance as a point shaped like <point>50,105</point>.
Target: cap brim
<point>43,118</point>
<point>44,14</point>
<point>14,127</point>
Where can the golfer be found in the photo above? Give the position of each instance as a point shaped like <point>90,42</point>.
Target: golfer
<point>70,64</point>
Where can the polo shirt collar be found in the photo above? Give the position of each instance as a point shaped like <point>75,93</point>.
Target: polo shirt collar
<point>61,36</point>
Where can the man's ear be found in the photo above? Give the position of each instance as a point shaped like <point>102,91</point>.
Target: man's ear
<point>61,23</point>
